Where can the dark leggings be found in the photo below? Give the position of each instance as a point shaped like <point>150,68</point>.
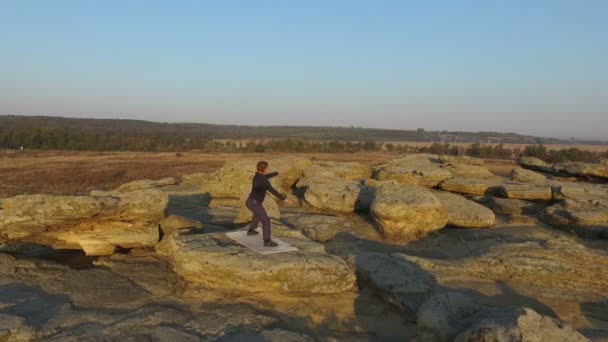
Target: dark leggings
<point>259,215</point>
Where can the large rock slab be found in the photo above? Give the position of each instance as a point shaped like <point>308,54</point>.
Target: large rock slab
<point>336,194</point>
<point>95,224</point>
<point>468,170</point>
<point>323,228</point>
<point>465,213</point>
<point>585,218</point>
<point>582,169</point>
<point>214,261</point>
<point>532,163</point>
<point>446,159</point>
<point>146,184</point>
<point>425,174</point>
<point>526,191</point>
<point>522,324</point>
<point>523,175</point>
<point>235,176</point>
<point>346,170</point>
<point>407,212</point>
<point>472,186</point>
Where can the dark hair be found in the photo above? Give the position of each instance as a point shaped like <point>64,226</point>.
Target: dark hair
<point>262,165</point>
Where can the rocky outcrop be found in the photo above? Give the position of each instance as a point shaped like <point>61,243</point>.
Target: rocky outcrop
<point>214,261</point>
<point>468,170</point>
<point>335,194</point>
<point>536,164</point>
<point>522,324</point>
<point>465,213</point>
<point>452,316</point>
<point>446,159</point>
<point>582,169</point>
<point>346,170</point>
<point>407,212</point>
<point>172,223</point>
<point>526,191</point>
<point>146,184</point>
<point>472,186</point>
<point>585,218</point>
<point>425,174</point>
<point>523,175</point>
<point>235,176</point>
<point>95,224</point>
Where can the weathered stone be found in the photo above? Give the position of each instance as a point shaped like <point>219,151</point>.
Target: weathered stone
<point>508,206</point>
<point>446,159</point>
<point>175,222</point>
<point>213,262</point>
<point>586,218</point>
<point>579,191</point>
<point>472,186</point>
<point>146,184</point>
<point>245,215</point>
<point>468,170</point>
<point>526,191</point>
<point>407,212</point>
<point>322,228</point>
<point>346,170</point>
<point>425,174</point>
<point>582,169</point>
<point>336,194</point>
<point>15,329</point>
<point>465,213</point>
<point>523,175</point>
<point>532,163</point>
<point>521,324</point>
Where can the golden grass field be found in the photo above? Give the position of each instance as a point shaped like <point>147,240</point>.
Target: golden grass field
<point>68,173</point>
<point>62,172</point>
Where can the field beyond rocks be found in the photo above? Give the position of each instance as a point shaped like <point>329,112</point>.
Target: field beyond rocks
<point>418,247</point>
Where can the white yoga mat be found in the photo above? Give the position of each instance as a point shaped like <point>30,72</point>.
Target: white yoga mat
<point>256,243</point>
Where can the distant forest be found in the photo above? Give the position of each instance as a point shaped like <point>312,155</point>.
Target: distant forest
<point>57,133</point>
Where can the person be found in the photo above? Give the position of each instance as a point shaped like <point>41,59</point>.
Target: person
<point>260,185</point>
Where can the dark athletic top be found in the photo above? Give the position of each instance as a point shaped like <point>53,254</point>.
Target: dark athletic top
<point>261,185</point>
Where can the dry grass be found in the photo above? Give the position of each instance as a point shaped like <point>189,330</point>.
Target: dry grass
<point>62,173</point>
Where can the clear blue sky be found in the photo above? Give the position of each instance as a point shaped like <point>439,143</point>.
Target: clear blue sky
<point>528,66</point>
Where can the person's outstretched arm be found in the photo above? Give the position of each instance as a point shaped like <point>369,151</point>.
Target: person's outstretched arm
<point>272,174</point>
<point>274,191</point>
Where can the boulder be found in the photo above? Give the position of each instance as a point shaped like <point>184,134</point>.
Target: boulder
<point>425,174</point>
<point>468,170</point>
<point>579,191</point>
<point>523,175</point>
<point>95,224</point>
<point>532,163</point>
<point>214,261</point>
<point>346,170</point>
<point>146,184</point>
<point>174,222</point>
<point>582,169</point>
<point>508,206</point>
<point>585,218</point>
<point>323,228</point>
<point>446,159</point>
<point>465,213</point>
<point>336,194</point>
<point>521,324</point>
<point>472,186</point>
<point>526,191</point>
<point>407,212</point>
<point>245,215</point>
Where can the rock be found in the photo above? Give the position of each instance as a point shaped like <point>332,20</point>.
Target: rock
<point>468,170</point>
<point>176,222</point>
<point>523,175</point>
<point>407,212</point>
<point>579,191</point>
<point>507,206</point>
<point>521,324</point>
<point>95,224</point>
<point>218,202</point>
<point>472,186</point>
<point>232,179</point>
<point>15,328</point>
<point>346,170</point>
<point>446,159</point>
<point>213,261</point>
<point>245,215</point>
<point>587,218</point>
<point>526,191</point>
<point>336,194</point>
<point>374,183</point>
<point>146,184</point>
<point>532,163</point>
<point>465,213</point>
<point>582,169</point>
<point>445,315</point>
<point>322,228</point>
<point>425,174</point>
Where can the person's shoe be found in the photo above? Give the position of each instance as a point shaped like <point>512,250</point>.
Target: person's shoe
<point>270,243</point>
<point>252,232</point>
